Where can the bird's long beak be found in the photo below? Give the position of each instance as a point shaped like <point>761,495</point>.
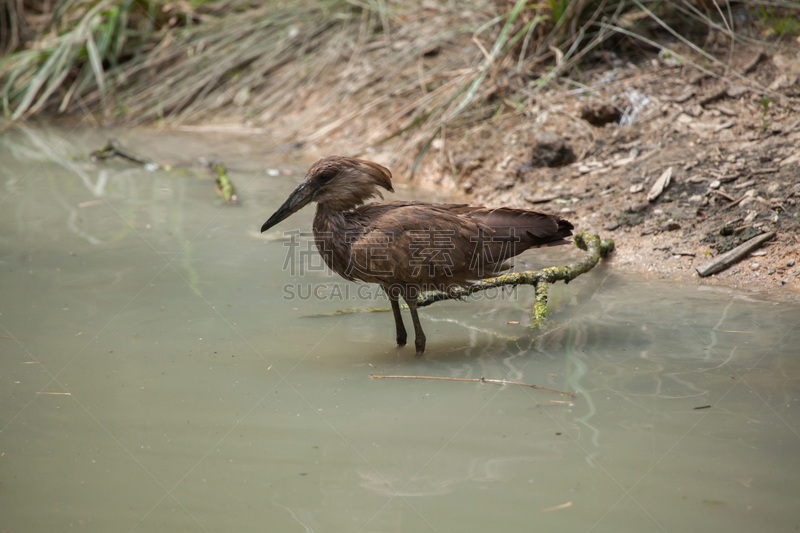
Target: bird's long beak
<point>301,196</point>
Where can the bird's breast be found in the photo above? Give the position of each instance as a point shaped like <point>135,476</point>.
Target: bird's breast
<point>333,237</point>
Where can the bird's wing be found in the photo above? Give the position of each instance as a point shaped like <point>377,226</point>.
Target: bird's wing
<point>427,245</point>
<point>380,208</point>
<point>531,228</point>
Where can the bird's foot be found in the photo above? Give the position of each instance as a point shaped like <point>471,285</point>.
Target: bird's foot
<point>419,343</point>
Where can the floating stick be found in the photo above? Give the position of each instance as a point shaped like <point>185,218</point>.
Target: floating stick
<point>477,380</point>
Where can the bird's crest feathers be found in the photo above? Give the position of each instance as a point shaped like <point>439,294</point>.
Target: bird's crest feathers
<point>347,182</point>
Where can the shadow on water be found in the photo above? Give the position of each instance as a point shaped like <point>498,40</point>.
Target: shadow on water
<point>157,374</point>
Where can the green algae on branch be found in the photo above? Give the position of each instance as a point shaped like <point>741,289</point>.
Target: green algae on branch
<point>224,186</point>
<point>540,279</point>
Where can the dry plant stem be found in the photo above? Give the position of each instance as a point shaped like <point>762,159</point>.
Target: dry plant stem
<point>477,380</point>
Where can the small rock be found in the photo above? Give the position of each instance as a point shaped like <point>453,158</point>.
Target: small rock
<point>694,110</point>
<point>754,266</point>
<point>775,188</point>
<point>696,198</point>
<point>736,91</point>
<point>790,263</point>
<point>714,184</point>
<point>638,187</point>
<point>467,186</point>
<point>505,184</point>
<point>660,185</point>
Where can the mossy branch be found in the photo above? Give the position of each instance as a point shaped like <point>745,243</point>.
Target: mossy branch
<point>225,187</point>
<point>540,279</point>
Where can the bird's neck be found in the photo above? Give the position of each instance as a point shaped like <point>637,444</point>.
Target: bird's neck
<point>331,237</point>
<point>329,220</point>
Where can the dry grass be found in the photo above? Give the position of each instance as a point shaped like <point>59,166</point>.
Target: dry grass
<point>434,68</point>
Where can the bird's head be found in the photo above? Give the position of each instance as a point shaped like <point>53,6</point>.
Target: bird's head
<point>339,183</point>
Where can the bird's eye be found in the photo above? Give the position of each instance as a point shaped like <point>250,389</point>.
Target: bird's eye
<point>326,176</point>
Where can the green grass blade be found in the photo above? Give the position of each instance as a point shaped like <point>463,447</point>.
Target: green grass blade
<point>496,49</point>
<point>38,81</point>
<point>421,154</point>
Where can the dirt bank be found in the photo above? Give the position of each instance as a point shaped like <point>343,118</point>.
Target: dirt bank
<point>732,154</point>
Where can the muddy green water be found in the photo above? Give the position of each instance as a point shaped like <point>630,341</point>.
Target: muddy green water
<point>157,374</point>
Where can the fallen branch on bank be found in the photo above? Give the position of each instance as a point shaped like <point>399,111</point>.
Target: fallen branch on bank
<point>733,256</point>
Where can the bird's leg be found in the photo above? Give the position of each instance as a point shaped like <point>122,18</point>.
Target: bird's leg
<point>419,335</point>
<point>398,319</point>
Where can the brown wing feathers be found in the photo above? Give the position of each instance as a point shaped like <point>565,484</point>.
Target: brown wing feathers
<point>531,227</point>
<point>451,243</point>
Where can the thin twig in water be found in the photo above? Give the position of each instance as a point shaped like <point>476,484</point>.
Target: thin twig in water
<point>113,148</point>
<point>477,380</point>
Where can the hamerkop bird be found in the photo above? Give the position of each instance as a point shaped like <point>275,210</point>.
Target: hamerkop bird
<point>409,247</point>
